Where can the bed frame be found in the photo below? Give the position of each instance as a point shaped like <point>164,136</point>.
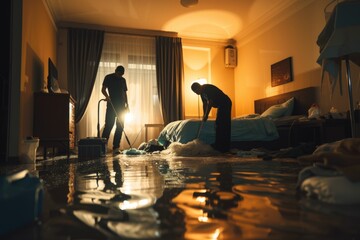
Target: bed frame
<point>304,98</point>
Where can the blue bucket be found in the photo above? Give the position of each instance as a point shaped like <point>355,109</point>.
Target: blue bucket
<point>21,200</point>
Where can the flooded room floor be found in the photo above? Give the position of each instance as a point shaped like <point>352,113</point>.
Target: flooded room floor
<point>158,196</point>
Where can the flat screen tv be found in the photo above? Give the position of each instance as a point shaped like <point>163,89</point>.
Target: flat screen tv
<point>53,85</point>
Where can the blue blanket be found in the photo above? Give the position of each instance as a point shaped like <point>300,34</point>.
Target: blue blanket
<point>242,129</point>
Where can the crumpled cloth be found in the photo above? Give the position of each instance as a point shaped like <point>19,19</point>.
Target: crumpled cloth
<point>332,172</point>
<point>342,155</point>
<point>329,186</point>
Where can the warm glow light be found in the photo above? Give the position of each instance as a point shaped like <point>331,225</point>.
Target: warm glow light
<point>216,234</point>
<point>128,117</point>
<point>201,199</point>
<point>210,24</point>
<point>135,204</point>
<point>203,219</point>
<point>201,81</point>
<point>137,201</point>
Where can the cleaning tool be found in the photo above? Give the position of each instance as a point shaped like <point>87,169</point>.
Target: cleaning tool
<point>131,151</point>
<point>201,125</point>
<point>117,117</point>
<point>93,147</point>
<point>98,122</point>
<point>21,198</point>
<point>199,130</point>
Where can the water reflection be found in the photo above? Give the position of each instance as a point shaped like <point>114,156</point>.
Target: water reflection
<point>150,197</point>
<point>117,201</point>
<point>208,206</point>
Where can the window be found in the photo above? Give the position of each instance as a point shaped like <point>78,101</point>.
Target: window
<point>138,56</point>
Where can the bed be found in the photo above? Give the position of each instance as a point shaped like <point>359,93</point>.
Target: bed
<point>268,127</point>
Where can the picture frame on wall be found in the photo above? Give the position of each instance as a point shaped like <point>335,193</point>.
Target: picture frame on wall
<point>281,72</point>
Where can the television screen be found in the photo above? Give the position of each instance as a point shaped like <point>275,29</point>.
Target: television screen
<point>53,85</point>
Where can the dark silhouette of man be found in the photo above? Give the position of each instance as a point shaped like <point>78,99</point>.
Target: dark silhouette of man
<point>213,97</point>
<point>114,88</point>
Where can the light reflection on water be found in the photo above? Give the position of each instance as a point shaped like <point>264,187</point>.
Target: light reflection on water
<point>149,197</point>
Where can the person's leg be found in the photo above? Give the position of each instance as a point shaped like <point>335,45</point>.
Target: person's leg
<point>227,127</point>
<point>109,122</point>
<point>118,132</point>
<point>223,128</point>
<point>220,135</point>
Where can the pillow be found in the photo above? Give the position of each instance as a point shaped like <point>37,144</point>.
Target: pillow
<point>274,111</point>
<point>279,110</point>
<point>289,105</point>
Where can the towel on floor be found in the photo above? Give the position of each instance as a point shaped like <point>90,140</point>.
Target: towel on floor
<point>334,176</point>
<point>343,155</point>
<point>192,148</point>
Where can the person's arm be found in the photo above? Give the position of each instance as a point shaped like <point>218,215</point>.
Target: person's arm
<point>104,92</point>
<point>126,103</point>
<point>207,107</point>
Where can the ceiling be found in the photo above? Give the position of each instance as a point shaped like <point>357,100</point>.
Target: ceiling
<point>208,19</point>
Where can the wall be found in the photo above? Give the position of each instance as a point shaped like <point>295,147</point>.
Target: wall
<point>205,59</point>
<point>294,37</point>
<point>62,58</point>
<point>38,44</point>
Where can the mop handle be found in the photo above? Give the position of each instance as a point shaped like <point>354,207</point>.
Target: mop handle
<point>199,130</point>
<point>98,121</point>
<point>201,125</point>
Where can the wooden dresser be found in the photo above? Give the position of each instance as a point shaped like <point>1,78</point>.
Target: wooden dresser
<point>54,121</point>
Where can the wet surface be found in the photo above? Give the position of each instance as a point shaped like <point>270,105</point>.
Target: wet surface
<point>164,197</point>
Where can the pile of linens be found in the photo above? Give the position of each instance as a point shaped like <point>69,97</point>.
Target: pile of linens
<point>332,172</point>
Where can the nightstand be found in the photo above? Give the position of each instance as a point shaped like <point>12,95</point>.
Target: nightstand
<point>319,131</point>
<point>306,131</point>
<point>335,129</point>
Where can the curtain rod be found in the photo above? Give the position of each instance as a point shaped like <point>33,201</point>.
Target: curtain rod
<point>130,31</point>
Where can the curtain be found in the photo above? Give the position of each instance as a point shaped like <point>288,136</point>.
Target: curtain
<point>84,51</point>
<point>169,73</point>
<point>137,55</point>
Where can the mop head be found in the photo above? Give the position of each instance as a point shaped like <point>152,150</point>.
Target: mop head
<point>193,148</point>
<point>133,151</point>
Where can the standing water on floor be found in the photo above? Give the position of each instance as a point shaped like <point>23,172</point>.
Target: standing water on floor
<point>162,197</point>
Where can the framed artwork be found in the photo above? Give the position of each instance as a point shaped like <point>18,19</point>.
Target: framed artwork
<point>281,72</point>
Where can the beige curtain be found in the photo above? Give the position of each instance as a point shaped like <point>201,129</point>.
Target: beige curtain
<point>137,55</point>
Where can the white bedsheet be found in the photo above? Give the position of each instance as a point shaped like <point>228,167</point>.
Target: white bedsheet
<point>242,129</point>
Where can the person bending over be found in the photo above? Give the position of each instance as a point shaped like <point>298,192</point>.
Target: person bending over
<point>213,97</point>
<point>114,89</point>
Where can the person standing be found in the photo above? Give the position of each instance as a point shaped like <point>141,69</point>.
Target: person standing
<point>114,89</point>
<point>213,97</point>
